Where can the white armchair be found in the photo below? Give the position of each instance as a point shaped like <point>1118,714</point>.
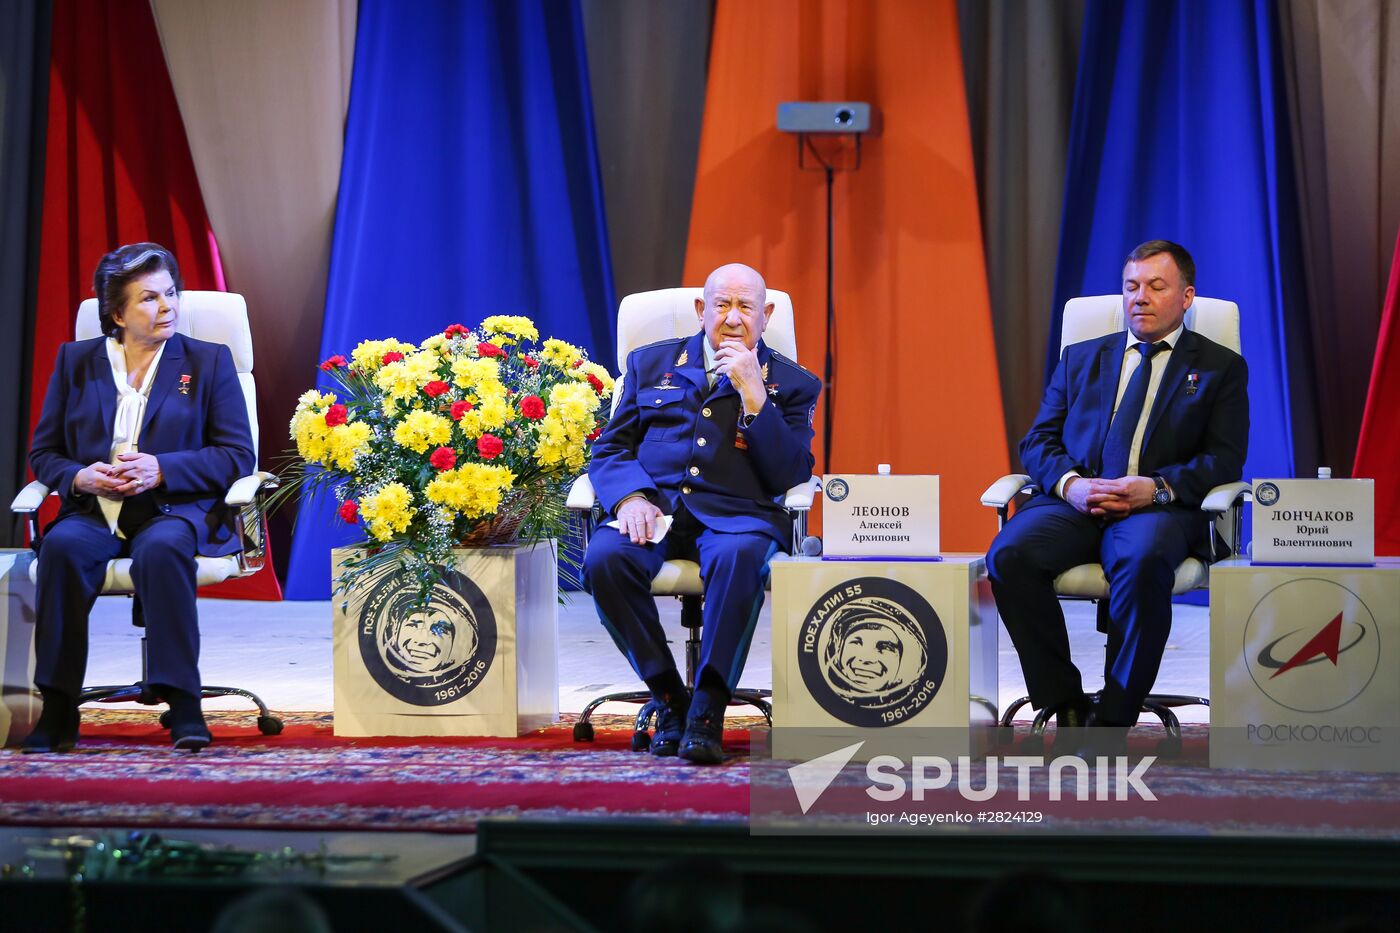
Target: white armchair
<point>1084,319</point>
<point>217,317</point>
<point>644,318</point>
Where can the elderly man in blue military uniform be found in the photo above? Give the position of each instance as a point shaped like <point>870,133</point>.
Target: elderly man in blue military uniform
<point>712,430</point>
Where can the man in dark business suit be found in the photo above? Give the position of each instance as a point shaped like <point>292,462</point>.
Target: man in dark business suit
<point>1133,431</point>
<point>712,430</point>
<point>160,502</point>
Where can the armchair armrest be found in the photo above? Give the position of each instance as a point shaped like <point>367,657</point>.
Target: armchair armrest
<point>1000,493</point>
<point>29,498</point>
<point>1224,497</point>
<point>799,498</point>
<point>245,488</point>
<point>581,495</point>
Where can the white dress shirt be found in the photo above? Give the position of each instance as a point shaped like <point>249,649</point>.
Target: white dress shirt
<point>1132,359</point>
<point>126,427</point>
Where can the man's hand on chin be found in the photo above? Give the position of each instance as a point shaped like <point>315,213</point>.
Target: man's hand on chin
<point>1109,498</point>
<point>740,364</point>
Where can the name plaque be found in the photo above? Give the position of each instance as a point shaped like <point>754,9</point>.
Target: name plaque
<point>880,516</point>
<point>1314,521</point>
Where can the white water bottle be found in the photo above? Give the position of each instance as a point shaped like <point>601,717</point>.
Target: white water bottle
<point>1324,472</point>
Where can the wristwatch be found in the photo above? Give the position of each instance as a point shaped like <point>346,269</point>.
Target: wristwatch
<point>1163,495</point>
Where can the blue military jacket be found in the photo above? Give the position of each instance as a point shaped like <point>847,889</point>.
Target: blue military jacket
<point>677,440</point>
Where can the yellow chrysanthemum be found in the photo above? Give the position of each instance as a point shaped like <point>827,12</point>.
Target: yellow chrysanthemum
<point>509,326</point>
<point>472,489</point>
<point>404,379</point>
<point>593,369</point>
<point>574,402</point>
<point>437,343</point>
<point>469,373</point>
<point>420,430</point>
<point>345,444</point>
<point>369,355</point>
<point>388,511</point>
<point>560,354</point>
<point>490,413</point>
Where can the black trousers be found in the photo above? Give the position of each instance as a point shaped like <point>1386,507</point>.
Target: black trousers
<point>73,558</point>
<point>1139,555</point>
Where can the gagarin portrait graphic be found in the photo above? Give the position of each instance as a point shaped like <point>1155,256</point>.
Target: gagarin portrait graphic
<point>872,652</point>
<point>429,655</point>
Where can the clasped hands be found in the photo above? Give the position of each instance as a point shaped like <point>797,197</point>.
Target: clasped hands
<point>1110,499</point>
<point>132,474</point>
<point>740,364</point>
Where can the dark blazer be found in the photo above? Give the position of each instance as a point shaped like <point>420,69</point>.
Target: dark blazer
<point>676,440</point>
<point>1195,437</point>
<point>196,425</point>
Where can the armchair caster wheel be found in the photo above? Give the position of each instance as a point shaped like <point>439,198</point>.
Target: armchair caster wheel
<point>165,720</point>
<point>1170,747</point>
<point>269,725</point>
<point>1005,735</point>
<point>583,732</point>
<point>641,741</point>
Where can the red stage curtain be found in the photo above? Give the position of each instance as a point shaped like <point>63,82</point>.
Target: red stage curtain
<point>916,368</point>
<point>117,170</point>
<point>1378,449</point>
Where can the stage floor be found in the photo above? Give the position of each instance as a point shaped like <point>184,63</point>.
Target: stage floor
<point>282,652</point>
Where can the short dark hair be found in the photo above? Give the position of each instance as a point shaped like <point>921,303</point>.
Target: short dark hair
<point>1184,263</point>
<point>122,266</point>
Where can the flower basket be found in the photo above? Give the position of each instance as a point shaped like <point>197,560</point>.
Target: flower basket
<point>468,439</point>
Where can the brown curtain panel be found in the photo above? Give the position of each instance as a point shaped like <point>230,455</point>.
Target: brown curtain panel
<point>263,87</point>
<point>646,64</point>
<point>1019,59</point>
<point>1342,73</point>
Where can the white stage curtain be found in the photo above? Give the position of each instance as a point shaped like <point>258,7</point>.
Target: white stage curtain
<point>263,87</point>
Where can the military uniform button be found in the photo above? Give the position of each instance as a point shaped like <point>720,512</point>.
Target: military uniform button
<point>694,471</point>
<point>657,402</point>
<point>702,442</point>
<point>703,411</point>
<point>685,490</point>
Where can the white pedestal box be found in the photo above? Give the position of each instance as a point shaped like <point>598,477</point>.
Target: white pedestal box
<point>481,661</point>
<point>19,704</point>
<point>1305,667</point>
<point>883,647</point>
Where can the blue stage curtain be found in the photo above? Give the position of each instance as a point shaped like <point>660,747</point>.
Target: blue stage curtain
<point>469,187</point>
<point>1178,133</point>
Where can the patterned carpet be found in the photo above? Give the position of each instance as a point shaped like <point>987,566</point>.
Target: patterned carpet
<point>125,774</point>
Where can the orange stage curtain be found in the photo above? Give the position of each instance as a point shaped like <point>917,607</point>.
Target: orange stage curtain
<point>916,371</point>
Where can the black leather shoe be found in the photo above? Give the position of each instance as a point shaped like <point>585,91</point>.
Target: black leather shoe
<point>1102,739</point>
<point>704,733</point>
<point>188,731</point>
<point>1073,714</point>
<point>57,728</point>
<point>670,726</point>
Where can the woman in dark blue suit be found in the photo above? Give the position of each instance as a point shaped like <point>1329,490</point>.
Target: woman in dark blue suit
<point>143,430</point>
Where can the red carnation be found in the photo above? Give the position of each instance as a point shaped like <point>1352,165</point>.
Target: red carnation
<point>459,409</point>
<point>435,388</point>
<point>334,362</point>
<point>393,356</point>
<point>335,415</point>
<point>489,446</point>
<point>530,361</point>
<point>596,383</point>
<point>532,407</point>
<point>577,364</point>
<point>350,512</point>
<point>596,431</point>
<point>453,330</point>
<point>488,349</point>
<point>443,458</point>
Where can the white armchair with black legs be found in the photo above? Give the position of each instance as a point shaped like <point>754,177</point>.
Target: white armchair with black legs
<point>217,317</point>
<point>645,318</point>
<point>1086,318</point>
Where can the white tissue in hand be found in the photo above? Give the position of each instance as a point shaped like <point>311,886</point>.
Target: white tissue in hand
<point>659,527</point>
